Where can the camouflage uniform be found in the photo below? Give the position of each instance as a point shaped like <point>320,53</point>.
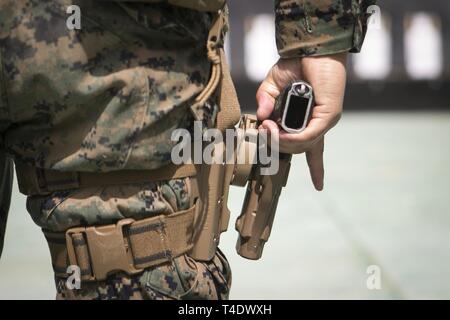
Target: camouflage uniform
<point>107,97</point>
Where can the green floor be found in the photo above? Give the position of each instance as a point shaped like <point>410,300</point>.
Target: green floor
<point>386,203</point>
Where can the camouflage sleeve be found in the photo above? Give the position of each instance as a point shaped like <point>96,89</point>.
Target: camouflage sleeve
<point>320,27</point>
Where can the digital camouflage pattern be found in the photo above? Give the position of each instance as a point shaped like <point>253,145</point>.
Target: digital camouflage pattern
<point>184,278</point>
<point>201,5</point>
<point>107,97</point>
<point>320,27</point>
<point>94,206</point>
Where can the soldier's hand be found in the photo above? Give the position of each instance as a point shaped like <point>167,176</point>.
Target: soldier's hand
<point>327,76</point>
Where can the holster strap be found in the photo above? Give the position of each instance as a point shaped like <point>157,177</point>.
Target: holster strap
<point>36,181</point>
<point>129,246</point>
<point>220,78</point>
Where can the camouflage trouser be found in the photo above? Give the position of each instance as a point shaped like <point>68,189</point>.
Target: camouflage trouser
<point>183,278</point>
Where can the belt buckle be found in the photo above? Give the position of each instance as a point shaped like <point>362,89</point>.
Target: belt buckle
<point>107,249</point>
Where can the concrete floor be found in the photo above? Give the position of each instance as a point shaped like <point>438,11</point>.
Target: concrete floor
<point>386,203</point>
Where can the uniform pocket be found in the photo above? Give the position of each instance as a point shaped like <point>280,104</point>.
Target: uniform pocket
<point>172,280</point>
<point>188,279</point>
<point>41,208</point>
<point>220,270</point>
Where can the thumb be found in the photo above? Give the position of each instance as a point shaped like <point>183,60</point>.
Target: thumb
<point>265,98</point>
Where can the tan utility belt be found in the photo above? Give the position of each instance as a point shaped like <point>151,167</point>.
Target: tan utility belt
<point>129,246</point>
<point>35,181</point>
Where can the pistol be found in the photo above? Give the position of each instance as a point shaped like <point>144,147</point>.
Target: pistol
<point>292,112</point>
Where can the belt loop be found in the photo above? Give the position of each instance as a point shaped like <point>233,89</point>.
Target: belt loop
<point>72,255</point>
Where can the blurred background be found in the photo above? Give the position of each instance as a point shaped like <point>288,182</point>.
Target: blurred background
<point>381,227</point>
